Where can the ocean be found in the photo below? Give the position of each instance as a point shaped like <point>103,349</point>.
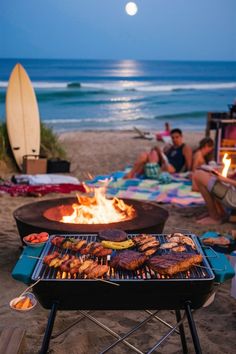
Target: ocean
<point>109,94</point>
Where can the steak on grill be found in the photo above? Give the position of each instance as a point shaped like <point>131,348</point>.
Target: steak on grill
<point>113,235</point>
<point>169,264</point>
<point>129,260</point>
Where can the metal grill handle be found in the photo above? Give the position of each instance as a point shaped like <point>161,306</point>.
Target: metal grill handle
<point>213,251</point>
<point>215,256</point>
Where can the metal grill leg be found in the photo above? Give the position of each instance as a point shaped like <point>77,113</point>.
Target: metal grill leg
<point>182,333</point>
<point>49,328</point>
<point>193,329</point>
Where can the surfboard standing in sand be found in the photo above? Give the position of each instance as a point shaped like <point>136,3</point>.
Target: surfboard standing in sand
<point>22,116</point>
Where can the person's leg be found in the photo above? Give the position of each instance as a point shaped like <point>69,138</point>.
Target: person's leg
<point>162,159</point>
<point>138,166</point>
<point>154,156</point>
<point>215,209</point>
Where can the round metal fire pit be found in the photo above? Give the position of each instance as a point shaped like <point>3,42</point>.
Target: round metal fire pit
<point>150,218</point>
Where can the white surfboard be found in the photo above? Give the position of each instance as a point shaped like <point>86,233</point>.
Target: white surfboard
<point>22,115</point>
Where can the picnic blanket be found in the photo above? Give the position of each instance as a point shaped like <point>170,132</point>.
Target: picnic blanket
<point>175,190</point>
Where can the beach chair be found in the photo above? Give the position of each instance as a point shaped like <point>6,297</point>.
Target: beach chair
<point>143,135</point>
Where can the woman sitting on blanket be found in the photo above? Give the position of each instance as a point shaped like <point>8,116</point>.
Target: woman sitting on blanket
<point>218,192</point>
<point>204,149</point>
<point>175,158</point>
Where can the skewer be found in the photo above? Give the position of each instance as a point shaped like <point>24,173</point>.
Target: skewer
<point>26,255</point>
<point>29,287</point>
<point>107,281</point>
<point>200,266</point>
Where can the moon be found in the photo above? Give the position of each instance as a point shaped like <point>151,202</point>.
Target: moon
<point>131,8</point>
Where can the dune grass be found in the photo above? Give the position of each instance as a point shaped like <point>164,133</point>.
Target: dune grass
<point>50,145</point>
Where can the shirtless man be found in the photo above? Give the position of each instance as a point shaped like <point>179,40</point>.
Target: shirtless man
<point>175,158</point>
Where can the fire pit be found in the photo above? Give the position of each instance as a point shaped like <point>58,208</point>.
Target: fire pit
<point>40,216</point>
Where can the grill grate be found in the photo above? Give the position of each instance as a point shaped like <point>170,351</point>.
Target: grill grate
<point>44,272</point>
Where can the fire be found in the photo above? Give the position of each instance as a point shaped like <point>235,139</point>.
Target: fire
<point>226,161</point>
<point>98,209</point>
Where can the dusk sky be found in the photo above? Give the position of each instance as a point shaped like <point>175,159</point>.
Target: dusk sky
<point>101,29</point>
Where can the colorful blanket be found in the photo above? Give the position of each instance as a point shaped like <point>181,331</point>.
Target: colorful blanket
<point>39,190</point>
<point>175,190</point>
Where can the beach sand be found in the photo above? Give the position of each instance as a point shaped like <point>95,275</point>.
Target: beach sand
<point>101,153</point>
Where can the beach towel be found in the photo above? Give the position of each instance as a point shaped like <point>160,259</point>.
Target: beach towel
<point>40,179</point>
<point>38,190</point>
<point>176,190</point>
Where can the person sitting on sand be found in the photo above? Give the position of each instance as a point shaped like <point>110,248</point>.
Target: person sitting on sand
<point>205,147</point>
<point>177,157</point>
<point>218,192</point>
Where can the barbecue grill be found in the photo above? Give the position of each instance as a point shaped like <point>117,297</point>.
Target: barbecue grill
<point>136,290</point>
<point>125,290</point>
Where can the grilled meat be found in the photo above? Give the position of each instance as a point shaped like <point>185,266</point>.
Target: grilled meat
<point>89,269</point>
<point>98,271</point>
<point>178,249</point>
<point>102,252</point>
<point>181,239</point>
<point>93,248</point>
<point>220,241</point>
<point>70,265</point>
<point>150,252</point>
<point>65,266</point>
<point>168,245</point>
<point>142,239</point>
<point>148,245</point>
<point>47,259</point>
<point>86,250</point>
<point>175,234</point>
<point>58,241</point>
<point>96,249</point>
<point>85,265</point>
<point>170,264</point>
<point>129,260</point>
<point>113,235</point>
<point>65,243</point>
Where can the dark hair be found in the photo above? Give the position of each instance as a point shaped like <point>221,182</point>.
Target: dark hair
<point>176,130</point>
<point>206,141</point>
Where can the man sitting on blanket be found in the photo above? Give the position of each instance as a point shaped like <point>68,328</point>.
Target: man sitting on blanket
<point>176,157</point>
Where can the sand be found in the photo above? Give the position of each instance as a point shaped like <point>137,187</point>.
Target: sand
<point>101,153</point>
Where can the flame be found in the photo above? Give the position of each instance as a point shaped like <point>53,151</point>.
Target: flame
<point>226,163</point>
<point>98,209</point>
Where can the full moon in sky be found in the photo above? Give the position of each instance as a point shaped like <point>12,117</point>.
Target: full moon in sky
<point>131,8</point>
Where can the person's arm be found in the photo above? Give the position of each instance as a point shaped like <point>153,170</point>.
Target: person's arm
<point>188,154</point>
<point>197,160</point>
<point>227,180</point>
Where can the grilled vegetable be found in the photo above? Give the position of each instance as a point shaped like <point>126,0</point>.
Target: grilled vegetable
<point>118,245</point>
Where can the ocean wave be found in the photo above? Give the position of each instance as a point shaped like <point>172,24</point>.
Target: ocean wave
<point>93,120</point>
<point>187,87</point>
<point>128,86</point>
<point>184,115</point>
<point>48,85</point>
<point>169,117</point>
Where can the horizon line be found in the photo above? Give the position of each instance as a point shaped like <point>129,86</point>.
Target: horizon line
<point>124,59</point>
